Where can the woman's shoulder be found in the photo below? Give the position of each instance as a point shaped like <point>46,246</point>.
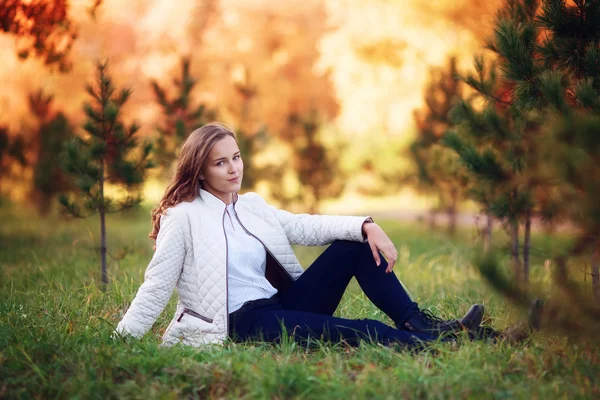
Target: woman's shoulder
<point>252,198</point>
<point>179,210</point>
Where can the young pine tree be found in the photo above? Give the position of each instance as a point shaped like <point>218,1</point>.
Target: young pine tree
<point>180,114</point>
<point>437,169</point>
<point>108,154</point>
<point>52,131</point>
<point>251,140</point>
<point>497,142</point>
<point>559,79</point>
<point>12,151</point>
<point>574,48</point>
<point>315,165</point>
<point>553,60</point>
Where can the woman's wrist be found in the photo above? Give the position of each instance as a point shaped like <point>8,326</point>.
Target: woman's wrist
<point>365,227</point>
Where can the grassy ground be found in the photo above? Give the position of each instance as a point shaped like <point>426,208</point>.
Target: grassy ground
<point>55,325</point>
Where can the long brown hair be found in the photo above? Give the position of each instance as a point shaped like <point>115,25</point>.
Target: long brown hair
<point>185,184</point>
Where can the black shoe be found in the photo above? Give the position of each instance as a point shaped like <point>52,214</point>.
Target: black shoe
<point>425,322</point>
<point>473,317</point>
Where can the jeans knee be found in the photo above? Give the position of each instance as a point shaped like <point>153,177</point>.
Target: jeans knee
<point>358,252</point>
<point>348,245</point>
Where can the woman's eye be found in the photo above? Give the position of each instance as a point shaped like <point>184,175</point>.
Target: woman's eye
<point>236,157</point>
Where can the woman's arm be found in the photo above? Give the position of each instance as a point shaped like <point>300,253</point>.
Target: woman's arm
<point>319,230</point>
<point>159,280</point>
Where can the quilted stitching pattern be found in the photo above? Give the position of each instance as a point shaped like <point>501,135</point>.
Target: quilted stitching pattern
<point>191,256</point>
<point>160,277</point>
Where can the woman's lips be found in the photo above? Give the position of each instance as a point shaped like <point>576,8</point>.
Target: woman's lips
<point>234,180</point>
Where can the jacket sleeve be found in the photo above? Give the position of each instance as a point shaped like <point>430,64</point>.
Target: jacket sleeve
<point>160,279</point>
<point>319,230</point>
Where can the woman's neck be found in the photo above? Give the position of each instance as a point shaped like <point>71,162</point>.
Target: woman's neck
<point>226,198</point>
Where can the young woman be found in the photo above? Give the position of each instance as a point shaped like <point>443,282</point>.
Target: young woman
<point>230,258</point>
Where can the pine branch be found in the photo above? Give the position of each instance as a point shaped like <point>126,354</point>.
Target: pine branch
<point>496,124</point>
<point>591,62</point>
<point>483,87</point>
<point>160,95</point>
<point>71,208</point>
<point>484,165</point>
<point>553,88</point>
<point>587,95</point>
<point>514,44</point>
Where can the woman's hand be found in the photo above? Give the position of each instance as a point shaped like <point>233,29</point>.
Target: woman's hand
<point>379,241</point>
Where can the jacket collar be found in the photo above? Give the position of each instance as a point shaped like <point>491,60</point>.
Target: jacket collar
<point>212,201</point>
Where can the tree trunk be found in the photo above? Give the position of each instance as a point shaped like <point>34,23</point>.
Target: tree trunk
<point>317,199</point>
<point>103,247</point>
<point>596,272</point>
<point>526,248</point>
<point>561,269</point>
<point>432,217</point>
<point>452,213</point>
<point>514,250</point>
<point>103,228</point>
<point>487,234</point>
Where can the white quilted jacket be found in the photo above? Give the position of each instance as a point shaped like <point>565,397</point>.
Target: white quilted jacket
<point>191,256</point>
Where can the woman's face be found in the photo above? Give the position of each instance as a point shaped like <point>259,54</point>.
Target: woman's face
<point>224,170</point>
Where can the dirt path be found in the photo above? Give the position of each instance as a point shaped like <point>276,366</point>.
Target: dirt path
<point>462,219</point>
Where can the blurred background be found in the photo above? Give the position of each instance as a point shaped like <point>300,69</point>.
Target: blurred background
<point>322,93</point>
<point>482,113</point>
<point>479,120</point>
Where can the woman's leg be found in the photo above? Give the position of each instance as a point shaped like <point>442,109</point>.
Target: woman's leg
<point>320,288</point>
<point>269,322</point>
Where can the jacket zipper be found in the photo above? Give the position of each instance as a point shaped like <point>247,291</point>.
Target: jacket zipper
<point>226,276</point>
<point>248,232</point>
<point>194,314</point>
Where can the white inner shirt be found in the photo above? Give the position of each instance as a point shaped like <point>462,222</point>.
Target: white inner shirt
<point>246,262</point>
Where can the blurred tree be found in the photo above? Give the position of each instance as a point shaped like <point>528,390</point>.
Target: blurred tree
<point>494,144</point>
<point>316,166</point>
<point>277,45</point>
<point>438,170</point>
<point>553,59</point>
<point>376,54</point>
<point>42,28</point>
<point>574,149</point>
<point>558,77</point>
<point>12,150</point>
<point>498,143</point>
<point>251,139</point>
<point>52,131</point>
<point>102,157</point>
<point>472,15</point>
<point>180,115</point>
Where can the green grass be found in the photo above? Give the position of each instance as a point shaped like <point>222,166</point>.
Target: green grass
<point>55,327</point>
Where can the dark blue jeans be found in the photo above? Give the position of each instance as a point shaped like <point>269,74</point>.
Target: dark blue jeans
<point>305,310</point>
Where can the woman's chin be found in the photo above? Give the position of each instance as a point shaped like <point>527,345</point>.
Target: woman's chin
<point>235,187</point>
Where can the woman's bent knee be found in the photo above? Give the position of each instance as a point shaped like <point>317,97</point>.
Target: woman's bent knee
<point>348,245</point>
